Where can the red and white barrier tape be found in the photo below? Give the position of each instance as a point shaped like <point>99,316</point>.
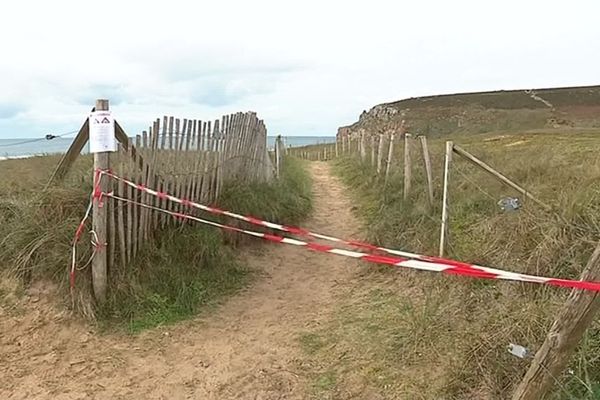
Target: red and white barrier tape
<point>96,196</point>
<point>78,234</point>
<point>478,269</point>
<point>411,260</point>
<point>454,269</point>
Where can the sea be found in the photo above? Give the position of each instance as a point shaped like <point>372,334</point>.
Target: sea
<point>23,148</point>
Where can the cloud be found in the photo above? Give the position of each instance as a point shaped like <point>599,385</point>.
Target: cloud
<point>10,110</point>
<point>305,67</point>
<point>229,87</point>
<point>118,94</point>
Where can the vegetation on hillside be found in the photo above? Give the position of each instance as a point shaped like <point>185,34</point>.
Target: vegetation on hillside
<point>576,107</point>
<point>412,334</point>
<point>189,268</point>
<point>508,99</point>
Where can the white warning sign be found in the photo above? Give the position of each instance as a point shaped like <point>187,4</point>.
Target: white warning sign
<point>102,132</point>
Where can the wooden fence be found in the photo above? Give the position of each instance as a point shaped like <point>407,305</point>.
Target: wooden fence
<point>189,159</point>
<point>321,152</point>
<point>381,153</point>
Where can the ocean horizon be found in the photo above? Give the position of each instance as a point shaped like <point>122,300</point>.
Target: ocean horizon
<point>23,148</point>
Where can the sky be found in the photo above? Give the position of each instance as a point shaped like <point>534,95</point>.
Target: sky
<point>306,67</point>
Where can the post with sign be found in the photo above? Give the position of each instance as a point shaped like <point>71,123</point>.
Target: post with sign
<point>102,143</point>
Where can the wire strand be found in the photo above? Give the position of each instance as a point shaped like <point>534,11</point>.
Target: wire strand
<point>45,138</point>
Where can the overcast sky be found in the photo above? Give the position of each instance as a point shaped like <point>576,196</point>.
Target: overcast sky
<point>306,67</point>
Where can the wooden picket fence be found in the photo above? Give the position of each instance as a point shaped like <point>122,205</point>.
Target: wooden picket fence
<point>378,151</point>
<point>188,159</point>
<point>320,152</point>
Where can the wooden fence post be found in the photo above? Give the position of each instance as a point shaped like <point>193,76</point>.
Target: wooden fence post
<point>407,166</point>
<point>336,148</point>
<point>379,153</point>
<point>363,150</point>
<point>567,330</point>
<point>71,155</point>
<point>100,221</point>
<point>372,151</point>
<point>278,155</point>
<point>428,172</point>
<point>443,230</point>
<point>389,158</point>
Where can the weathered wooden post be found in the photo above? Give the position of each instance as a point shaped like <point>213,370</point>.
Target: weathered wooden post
<point>278,155</point>
<point>567,330</point>
<point>380,153</point>
<point>372,151</point>
<point>428,173</point>
<point>448,159</point>
<point>102,142</point>
<point>407,166</point>
<point>389,158</point>
<point>361,145</point>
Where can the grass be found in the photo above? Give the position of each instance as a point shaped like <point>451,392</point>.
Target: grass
<point>475,113</point>
<point>310,342</point>
<point>411,334</point>
<point>36,226</point>
<point>286,200</point>
<point>509,99</point>
<point>187,271</point>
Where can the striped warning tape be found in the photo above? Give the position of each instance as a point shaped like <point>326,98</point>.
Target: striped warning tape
<point>476,270</point>
<point>456,269</point>
<point>409,260</point>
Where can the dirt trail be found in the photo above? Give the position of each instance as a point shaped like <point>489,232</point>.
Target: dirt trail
<point>246,349</point>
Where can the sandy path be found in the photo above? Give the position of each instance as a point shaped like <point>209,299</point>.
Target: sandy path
<point>247,349</point>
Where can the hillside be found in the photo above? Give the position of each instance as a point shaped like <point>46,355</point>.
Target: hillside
<point>570,107</point>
